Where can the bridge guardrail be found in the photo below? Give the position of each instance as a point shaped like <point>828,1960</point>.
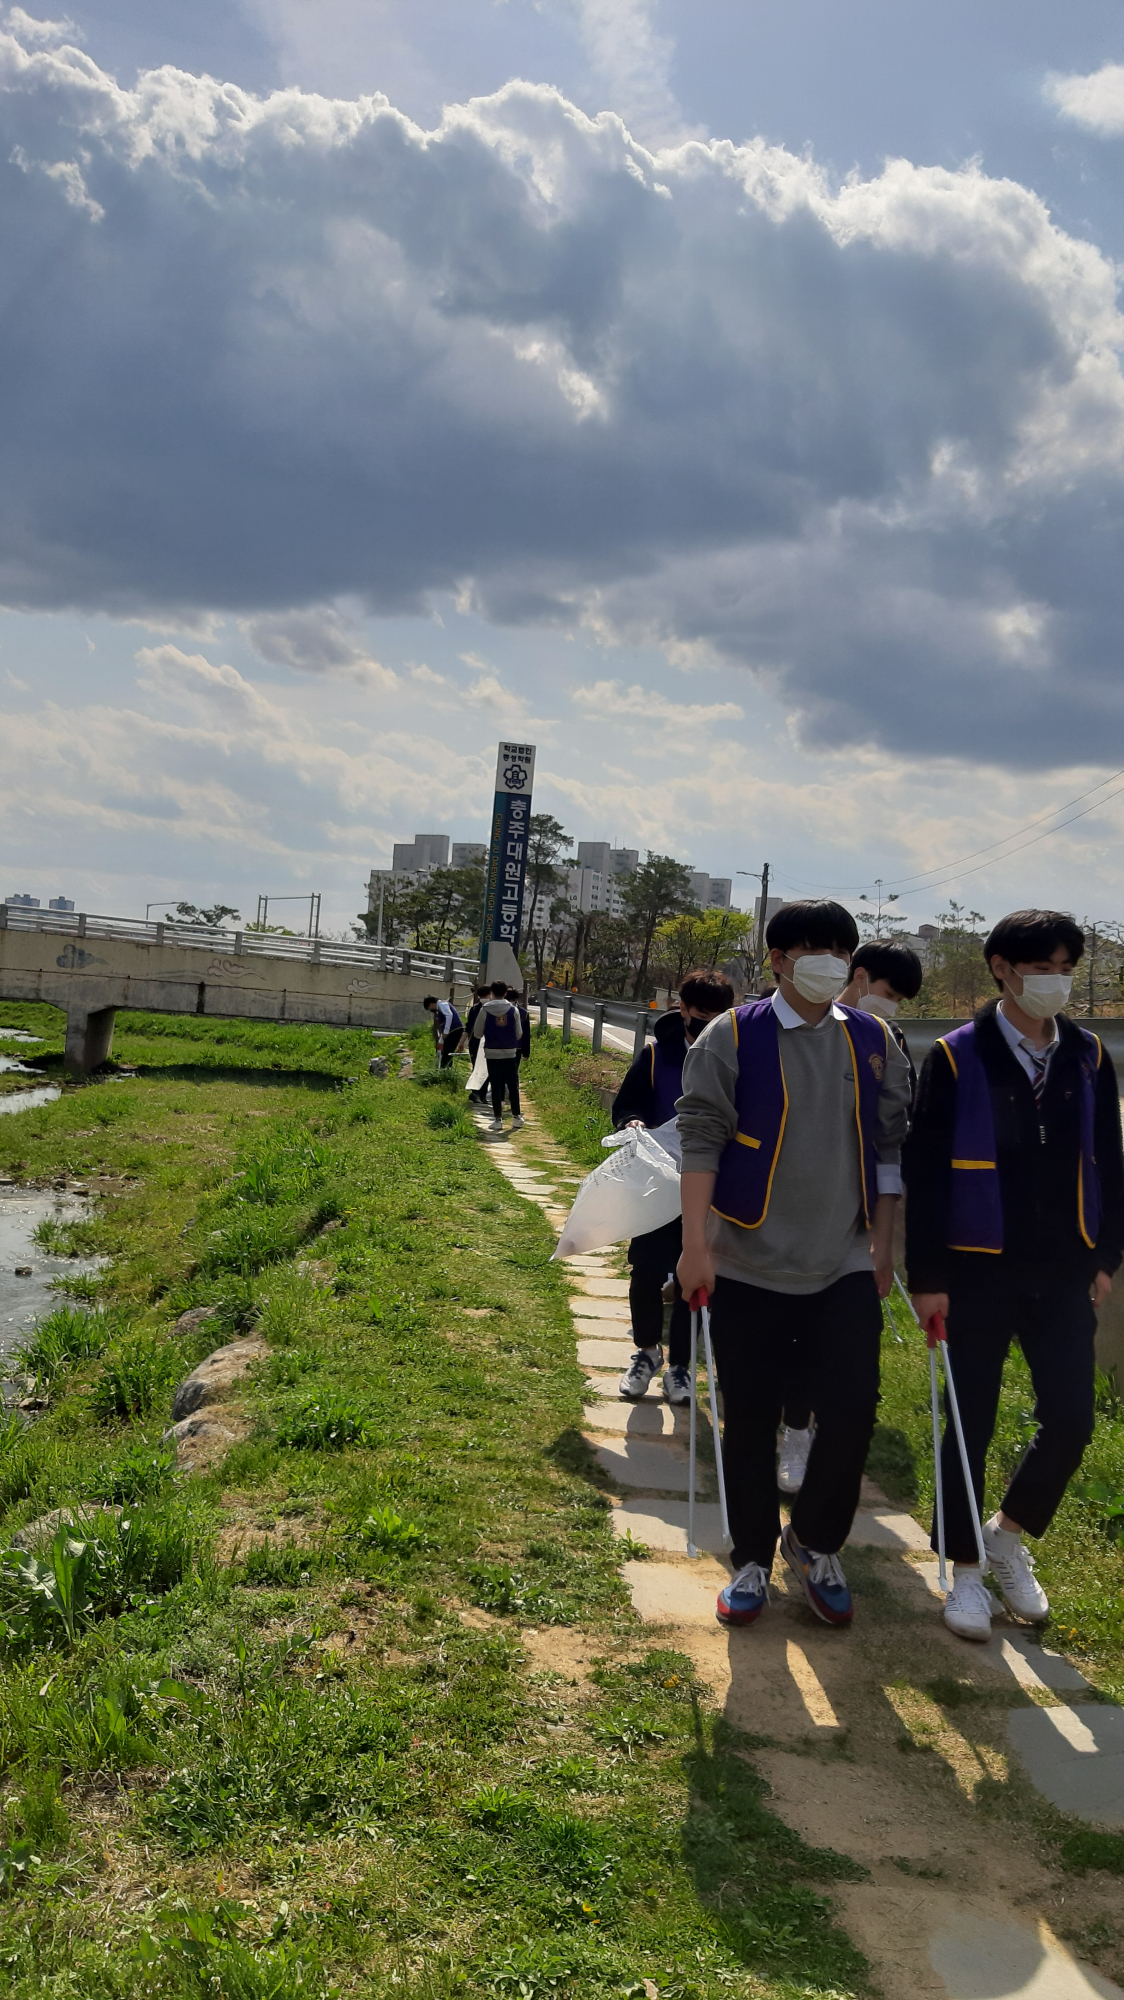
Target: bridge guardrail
<point>434,966</point>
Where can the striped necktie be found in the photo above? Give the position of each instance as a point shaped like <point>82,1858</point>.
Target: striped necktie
<point>1038,1059</point>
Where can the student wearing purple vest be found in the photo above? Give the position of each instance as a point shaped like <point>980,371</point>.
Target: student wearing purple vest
<point>883,974</point>
<point>503,1045</point>
<point>1015,1226</point>
<point>792,1118</point>
<point>648,1096</point>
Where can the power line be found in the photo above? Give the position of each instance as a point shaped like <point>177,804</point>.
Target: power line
<point>926,886</point>
<point>856,889</point>
<point>1028,828</point>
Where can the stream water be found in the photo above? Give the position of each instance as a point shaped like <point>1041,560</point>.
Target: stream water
<point>35,1094</point>
<point>25,1300</point>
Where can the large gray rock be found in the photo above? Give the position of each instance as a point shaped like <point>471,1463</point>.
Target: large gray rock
<point>216,1377</point>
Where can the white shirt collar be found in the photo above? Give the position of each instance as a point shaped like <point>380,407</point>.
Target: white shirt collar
<point>1014,1040</point>
<point>787,1016</point>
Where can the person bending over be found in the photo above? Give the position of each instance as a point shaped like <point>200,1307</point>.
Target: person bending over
<point>448,1028</point>
<point>1014,1228</point>
<point>792,1117</point>
<point>883,974</point>
<point>648,1096</point>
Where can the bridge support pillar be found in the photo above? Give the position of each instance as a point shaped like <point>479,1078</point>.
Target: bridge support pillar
<point>89,1038</point>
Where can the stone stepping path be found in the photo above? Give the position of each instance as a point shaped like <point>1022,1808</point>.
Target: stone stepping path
<point>797,1682</point>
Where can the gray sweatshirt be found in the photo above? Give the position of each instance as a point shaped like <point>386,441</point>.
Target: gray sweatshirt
<point>814,1231</point>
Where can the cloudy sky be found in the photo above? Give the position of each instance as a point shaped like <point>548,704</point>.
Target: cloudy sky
<point>726,395</point>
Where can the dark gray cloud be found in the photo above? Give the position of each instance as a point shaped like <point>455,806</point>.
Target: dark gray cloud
<point>257,356</point>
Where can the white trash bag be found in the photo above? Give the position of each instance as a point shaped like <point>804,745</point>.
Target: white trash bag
<point>479,1075</point>
<point>635,1190</point>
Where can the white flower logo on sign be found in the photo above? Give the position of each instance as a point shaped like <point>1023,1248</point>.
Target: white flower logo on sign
<point>515,777</point>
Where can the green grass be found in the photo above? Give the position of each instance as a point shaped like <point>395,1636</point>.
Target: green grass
<point>286,1728</point>
<point>564,1079</point>
<point>1078,1560</point>
<point>182,1040</point>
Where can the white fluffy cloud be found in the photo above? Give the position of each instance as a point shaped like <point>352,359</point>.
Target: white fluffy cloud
<point>262,356</point>
<point>1095,101</point>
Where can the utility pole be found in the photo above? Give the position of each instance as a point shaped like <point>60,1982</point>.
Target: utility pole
<point>382,886</point>
<point>757,931</point>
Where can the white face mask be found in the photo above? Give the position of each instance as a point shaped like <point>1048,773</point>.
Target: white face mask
<point>877,1003</point>
<point>1044,994</point>
<point>819,976</point>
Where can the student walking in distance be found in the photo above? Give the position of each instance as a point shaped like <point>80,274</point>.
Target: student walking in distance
<point>474,1030</point>
<point>648,1096</point>
<point>883,974</point>
<point>792,1117</point>
<point>448,1028</point>
<point>503,1037</point>
<point>1014,1228</point>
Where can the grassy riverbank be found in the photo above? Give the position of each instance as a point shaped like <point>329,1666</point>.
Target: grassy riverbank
<point>365,1708</point>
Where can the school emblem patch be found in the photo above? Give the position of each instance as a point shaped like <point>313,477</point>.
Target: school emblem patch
<point>878,1065</point>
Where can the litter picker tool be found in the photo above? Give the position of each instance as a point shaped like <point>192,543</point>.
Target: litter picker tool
<point>699,1309</point>
<point>936,1336</point>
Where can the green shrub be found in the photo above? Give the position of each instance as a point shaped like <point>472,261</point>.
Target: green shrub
<point>80,1238</point>
<point>68,1335</point>
<point>142,1471</point>
<point>442,1116</point>
<point>200,1953</point>
<point>384,1529</point>
<point>92,1570</point>
<point>134,1375</point>
<point>327,1423</point>
<point>1089,1849</point>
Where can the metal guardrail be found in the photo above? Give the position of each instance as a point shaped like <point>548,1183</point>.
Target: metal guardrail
<point>434,966</point>
<point>619,1013</point>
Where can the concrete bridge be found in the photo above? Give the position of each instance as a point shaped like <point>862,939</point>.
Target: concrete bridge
<point>90,966</point>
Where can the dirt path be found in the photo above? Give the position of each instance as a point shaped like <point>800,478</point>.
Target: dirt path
<point>940,1766</point>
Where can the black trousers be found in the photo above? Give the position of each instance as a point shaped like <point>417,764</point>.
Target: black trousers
<point>503,1074</point>
<point>1054,1322</point>
<point>652,1256</point>
<point>449,1046</point>
<point>835,1335</point>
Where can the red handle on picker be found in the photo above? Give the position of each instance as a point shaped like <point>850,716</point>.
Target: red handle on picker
<point>935,1332</point>
<point>698,1300</point>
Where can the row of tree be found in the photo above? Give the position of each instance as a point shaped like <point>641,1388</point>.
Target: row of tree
<point>661,934</point>
<point>957,979</point>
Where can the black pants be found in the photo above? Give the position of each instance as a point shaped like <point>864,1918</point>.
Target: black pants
<point>798,1393</point>
<point>503,1074</point>
<point>836,1335</point>
<point>449,1045</point>
<point>1054,1323</point>
<point>652,1256</point>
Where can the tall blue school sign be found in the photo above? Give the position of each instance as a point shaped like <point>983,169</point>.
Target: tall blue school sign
<point>507,862</point>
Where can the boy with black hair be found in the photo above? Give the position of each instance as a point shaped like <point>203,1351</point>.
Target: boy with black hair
<point>648,1096</point>
<point>1015,1226</point>
<point>503,1038</point>
<point>883,974</point>
<point>792,1117</point>
<point>447,1028</point>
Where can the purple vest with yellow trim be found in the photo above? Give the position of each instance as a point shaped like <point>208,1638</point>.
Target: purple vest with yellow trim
<point>975,1210</point>
<point>746,1169</point>
<point>667,1084</point>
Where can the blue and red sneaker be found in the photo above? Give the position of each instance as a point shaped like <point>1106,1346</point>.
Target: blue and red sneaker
<point>820,1578</point>
<point>744,1597</point>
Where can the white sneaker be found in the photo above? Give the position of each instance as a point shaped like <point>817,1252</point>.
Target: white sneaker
<point>968,1607</point>
<point>793,1463</point>
<point>1012,1566</point>
<point>677,1383</point>
<point>516,1123</point>
<point>640,1370</point>
<point>496,1125</point>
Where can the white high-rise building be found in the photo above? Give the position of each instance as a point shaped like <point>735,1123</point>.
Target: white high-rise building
<point>467,853</point>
